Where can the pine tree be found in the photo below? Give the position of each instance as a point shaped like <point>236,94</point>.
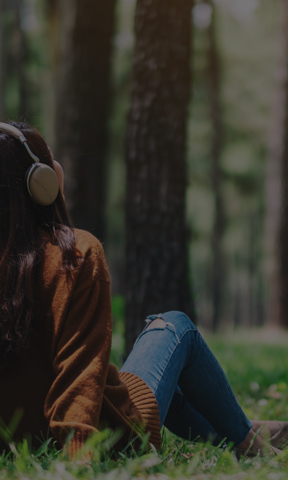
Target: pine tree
<point>156,243</point>
<point>83,56</point>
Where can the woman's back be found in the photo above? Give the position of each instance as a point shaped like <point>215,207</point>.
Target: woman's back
<point>69,311</point>
<point>64,380</point>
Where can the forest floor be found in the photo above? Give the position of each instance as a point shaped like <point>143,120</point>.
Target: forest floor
<point>256,363</point>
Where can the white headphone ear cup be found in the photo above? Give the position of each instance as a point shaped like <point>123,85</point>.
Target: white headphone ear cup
<point>42,184</point>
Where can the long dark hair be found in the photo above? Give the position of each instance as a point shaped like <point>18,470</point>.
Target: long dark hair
<point>21,242</point>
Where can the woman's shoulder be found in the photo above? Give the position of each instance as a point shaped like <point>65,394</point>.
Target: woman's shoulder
<point>89,250</point>
<point>87,243</point>
<point>92,252</point>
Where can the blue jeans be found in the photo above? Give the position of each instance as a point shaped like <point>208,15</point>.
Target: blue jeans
<point>191,389</point>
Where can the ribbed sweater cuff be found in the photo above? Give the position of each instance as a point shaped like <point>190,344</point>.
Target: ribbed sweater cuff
<point>144,400</point>
<point>75,445</point>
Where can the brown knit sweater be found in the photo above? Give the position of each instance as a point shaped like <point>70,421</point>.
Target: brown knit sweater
<point>65,382</point>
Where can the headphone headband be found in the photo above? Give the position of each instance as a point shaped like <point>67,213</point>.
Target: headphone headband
<point>41,180</point>
<point>7,128</point>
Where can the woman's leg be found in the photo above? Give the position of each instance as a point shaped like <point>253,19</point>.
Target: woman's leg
<point>173,352</point>
<point>183,420</point>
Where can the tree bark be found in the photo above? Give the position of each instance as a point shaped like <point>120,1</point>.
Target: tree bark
<point>85,30</point>
<point>273,187</point>
<point>283,234</point>
<point>214,90</point>
<point>156,232</point>
<point>2,59</point>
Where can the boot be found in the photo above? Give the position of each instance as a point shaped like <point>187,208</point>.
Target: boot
<point>273,431</point>
<point>254,445</point>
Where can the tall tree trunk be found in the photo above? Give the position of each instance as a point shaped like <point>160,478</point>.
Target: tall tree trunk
<point>85,34</point>
<point>214,86</point>
<point>156,232</point>
<point>2,59</point>
<point>283,234</point>
<point>273,177</point>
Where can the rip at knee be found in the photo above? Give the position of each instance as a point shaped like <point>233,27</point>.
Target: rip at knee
<point>157,323</point>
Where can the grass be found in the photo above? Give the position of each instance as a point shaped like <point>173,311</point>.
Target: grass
<point>257,367</point>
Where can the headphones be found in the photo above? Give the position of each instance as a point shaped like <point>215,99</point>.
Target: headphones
<point>41,180</point>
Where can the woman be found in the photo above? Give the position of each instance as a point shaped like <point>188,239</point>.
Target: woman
<point>55,329</point>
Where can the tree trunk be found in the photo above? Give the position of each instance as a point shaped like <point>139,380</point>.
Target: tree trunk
<point>2,59</point>
<point>273,178</point>
<point>156,232</point>
<point>283,233</point>
<point>85,32</point>
<point>214,86</point>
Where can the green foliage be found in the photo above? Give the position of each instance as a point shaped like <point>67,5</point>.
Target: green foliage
<point>248,45</point>
<point>247,41</point>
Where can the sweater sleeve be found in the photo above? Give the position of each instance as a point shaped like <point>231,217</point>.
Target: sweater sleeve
<point>81,356</point>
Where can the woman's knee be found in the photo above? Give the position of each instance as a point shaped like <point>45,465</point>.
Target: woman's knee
<point>174,318</point>
<point>157,323</point>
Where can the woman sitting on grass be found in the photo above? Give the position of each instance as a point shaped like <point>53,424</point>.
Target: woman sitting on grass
<point>55,330</point>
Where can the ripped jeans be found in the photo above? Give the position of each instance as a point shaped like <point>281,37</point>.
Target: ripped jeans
<point>193,394</point>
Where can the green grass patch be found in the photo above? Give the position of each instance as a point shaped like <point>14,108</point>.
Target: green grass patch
<point>257,370</point>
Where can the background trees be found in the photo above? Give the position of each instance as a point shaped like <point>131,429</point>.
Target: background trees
<point>217,142</point>
<point>91,56</point>
<point>82,61</point>
<point>247,89</point>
